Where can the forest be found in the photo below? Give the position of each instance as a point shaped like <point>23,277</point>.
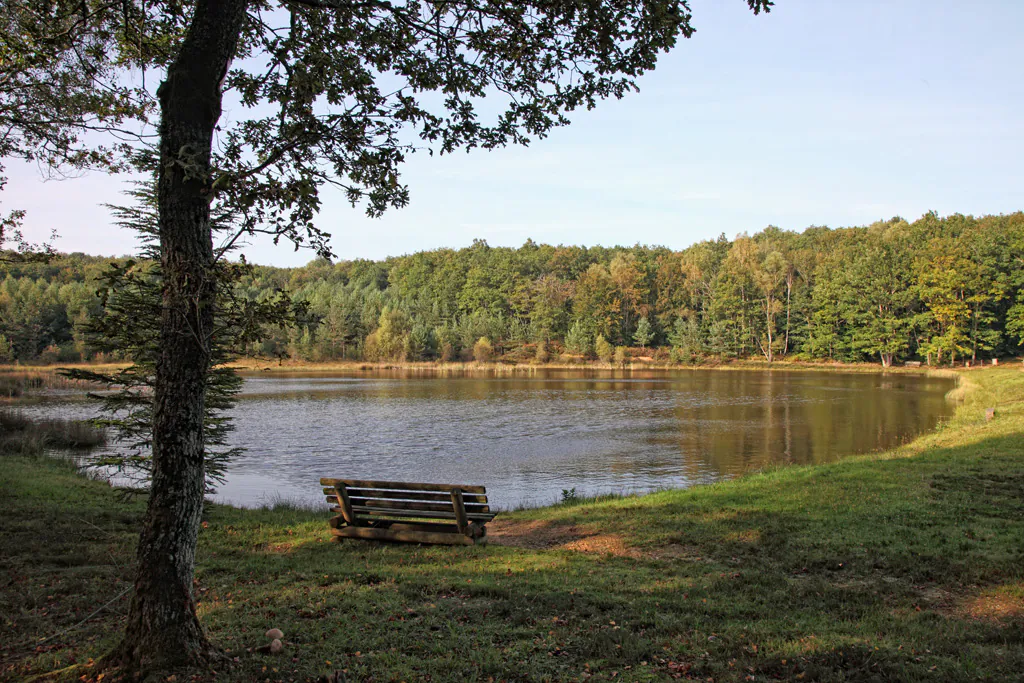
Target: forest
<point>939,290</point>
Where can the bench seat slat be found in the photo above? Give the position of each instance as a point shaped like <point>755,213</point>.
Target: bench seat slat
<point>362,510</point>
<point>403,495</point>
<point>444,497</point>
<point>409,505</point>
<point>400,486</point>
<point>414,505</point>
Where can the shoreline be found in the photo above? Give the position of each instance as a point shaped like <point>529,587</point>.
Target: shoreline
<point>260,366</point>
<point>431,367</point>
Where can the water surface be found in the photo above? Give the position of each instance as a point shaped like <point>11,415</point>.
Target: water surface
<point>529,437</point>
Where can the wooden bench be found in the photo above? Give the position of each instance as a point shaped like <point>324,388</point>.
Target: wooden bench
<point>405,511</point>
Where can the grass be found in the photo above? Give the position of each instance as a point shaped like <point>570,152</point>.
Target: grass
<point>902,566</point>
<point>18,381</point>
<point>22,436</point>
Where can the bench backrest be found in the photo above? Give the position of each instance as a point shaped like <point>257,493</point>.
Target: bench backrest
<point>361,501</point>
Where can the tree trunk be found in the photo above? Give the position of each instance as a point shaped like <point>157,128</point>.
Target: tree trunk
<point>163,631</point>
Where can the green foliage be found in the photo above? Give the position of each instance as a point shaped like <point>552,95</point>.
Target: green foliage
<point>620,355</point>
<point>1015,322</point>
<point>482,350</point>
<point>578,340</point>
<point>603,349</point>
<point>130,298</point>
<point>644,334</point>
<point>937,289</point>
<point>685,338</point>
<point>421,344</point>
<point>6,350</point>
<point>390,340</point>
<point>542,355</point>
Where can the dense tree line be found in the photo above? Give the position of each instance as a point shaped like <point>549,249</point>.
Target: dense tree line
<point>939,290</point>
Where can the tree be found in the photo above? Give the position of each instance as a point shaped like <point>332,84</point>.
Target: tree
<point>644,334</point>
<point>685,337</point>
<point>630,290</point>
<point>603,349</point>
<point>880,297</point>
<point>482,350</point>
<point>578,340</point>
<point>331,93</point>
<point>389,340</point>
<point>596,303</point>
<point>129,295</point>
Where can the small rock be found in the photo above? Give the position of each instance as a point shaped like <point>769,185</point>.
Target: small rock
<point>275,646</point>
<point>274,634</point>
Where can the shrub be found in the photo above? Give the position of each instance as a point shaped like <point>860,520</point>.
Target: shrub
<point>603,349</point>
<point>577,341</point>
<point>482,350</point>
<point>543,355</point>
<point>6,350</point>
<point>620,355</point>
<point>21,436</point>
<point>50,355</point>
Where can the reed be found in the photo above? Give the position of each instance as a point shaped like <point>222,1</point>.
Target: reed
<point>20,435</point>
<point>17,382</point>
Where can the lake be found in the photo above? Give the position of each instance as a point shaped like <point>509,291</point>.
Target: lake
<point>530,436</point>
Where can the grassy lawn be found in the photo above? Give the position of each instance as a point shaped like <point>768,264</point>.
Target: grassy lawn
<point>908,565</point>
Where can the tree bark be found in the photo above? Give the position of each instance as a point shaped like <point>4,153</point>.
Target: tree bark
<point>163,631</point>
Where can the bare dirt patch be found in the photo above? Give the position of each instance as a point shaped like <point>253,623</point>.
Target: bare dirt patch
<point>999,605</point>
<point>535,534</point>
<point>607,544</point>
<point>544,535</point>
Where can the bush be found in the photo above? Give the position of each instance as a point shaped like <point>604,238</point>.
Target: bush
<point>603,349</point>
<point>420,344</point>
<point>543,355</point>
<point>6,350</point>
<point>577,341</point>
<point>50,355</point>
<point>482,350</point>
<point>22,436</point>
<point>620,355</point>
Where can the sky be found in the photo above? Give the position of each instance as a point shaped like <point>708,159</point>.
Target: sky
<point>823,112</point>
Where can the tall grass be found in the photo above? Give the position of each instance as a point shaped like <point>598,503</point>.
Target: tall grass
<point>20,435</point>
<point>18,383</point>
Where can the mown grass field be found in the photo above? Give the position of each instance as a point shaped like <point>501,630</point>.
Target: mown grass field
<point>904,566</point>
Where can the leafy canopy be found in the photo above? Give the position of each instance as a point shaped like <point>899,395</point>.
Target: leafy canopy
<point>322,92</point>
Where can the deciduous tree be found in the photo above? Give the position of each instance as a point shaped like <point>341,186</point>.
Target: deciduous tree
<point>326,92</point>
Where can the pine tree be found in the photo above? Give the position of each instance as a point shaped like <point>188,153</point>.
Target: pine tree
<point>644,334</point>
<point>577,341</point>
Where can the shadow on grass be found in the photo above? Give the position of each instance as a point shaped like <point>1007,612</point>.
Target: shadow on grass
<point>897,570</point>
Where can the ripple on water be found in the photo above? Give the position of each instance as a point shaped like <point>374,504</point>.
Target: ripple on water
<point>528,438</point>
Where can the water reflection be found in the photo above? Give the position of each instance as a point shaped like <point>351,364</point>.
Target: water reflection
<point>529,437</point>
